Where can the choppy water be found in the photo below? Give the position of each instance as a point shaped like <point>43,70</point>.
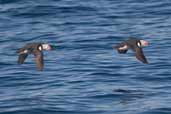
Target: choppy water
<point>84,75</point>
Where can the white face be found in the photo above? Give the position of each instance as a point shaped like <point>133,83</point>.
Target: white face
<point>46,46</point>
<point>144,43</point>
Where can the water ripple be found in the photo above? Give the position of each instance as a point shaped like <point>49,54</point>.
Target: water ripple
<point>83,74</point>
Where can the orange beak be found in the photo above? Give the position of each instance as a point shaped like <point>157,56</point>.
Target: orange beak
<point>146,43</point>
<point>49,47</point>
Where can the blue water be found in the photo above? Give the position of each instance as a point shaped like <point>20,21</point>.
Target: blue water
<point>84,75</point>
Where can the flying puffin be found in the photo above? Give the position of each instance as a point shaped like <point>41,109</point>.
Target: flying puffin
<point>134,44</point>
<point>37,50</point>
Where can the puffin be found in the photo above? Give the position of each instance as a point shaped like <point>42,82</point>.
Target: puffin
<point>134,44</point>
<point>37,50</point>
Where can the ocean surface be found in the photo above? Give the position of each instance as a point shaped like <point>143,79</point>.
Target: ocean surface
<point>83,74</point>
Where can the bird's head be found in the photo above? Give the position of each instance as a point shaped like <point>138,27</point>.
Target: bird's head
<point>144,43</point>
<point>46,47</point>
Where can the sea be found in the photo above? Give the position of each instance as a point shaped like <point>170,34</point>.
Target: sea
<point>83,74</point>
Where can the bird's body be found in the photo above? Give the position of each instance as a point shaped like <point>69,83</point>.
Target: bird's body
<point>37,50</point>
<point>135,45</point>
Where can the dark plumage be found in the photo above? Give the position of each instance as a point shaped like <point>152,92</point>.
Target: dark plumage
<point>135,45</point>
<point>37,50</point>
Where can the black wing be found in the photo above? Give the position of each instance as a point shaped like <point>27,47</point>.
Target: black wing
<point>122,51</point>
<point>140,56</point>
<point>39,60</point>
<point>121,48</point>
<point>21,58</point>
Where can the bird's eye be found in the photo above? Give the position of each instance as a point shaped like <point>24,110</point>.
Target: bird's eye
<point>40,48</point>
<point>138,44</point>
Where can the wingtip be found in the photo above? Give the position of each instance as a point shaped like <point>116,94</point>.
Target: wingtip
<point>39,68</point>
<point>146,63</point>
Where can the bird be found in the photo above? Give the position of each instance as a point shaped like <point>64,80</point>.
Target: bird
<point>134,44</point>
<point>37,50</point>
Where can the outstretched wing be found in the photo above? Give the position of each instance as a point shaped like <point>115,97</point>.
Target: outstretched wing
<point>140,56</point>
<point>21,58</point>
<point>39,60</point>
<point>121,48</point>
